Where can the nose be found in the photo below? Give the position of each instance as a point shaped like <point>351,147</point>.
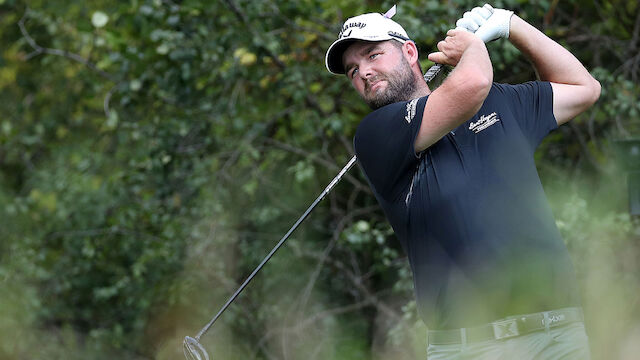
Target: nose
<point>365,71</point>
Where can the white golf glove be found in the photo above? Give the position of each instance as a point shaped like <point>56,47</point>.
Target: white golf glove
<point>486,22</point>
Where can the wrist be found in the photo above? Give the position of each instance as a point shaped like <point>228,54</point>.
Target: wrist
<point>506,17</point>
<point>516,27</point>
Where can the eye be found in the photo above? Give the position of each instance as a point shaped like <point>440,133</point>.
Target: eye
<point>353,72</point>
<point>373,56</point>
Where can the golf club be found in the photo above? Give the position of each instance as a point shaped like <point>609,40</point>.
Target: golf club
<point>192,348</point>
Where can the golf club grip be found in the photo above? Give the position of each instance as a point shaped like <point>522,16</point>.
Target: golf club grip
<point>435,69</point>
<point>432,72</point>
<point>324,193</point>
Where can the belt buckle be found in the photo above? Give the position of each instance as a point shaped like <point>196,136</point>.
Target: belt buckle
<point>504,329</point>
<point>554,319</point>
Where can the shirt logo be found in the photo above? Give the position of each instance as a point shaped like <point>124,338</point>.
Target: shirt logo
<point>484,122</point>
<point>411,110</point>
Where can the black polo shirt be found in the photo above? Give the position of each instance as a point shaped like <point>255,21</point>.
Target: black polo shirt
<point>470,210</point>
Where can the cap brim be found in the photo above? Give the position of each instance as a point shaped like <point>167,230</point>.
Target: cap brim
<point>333,59</point>
<point>334,55</point>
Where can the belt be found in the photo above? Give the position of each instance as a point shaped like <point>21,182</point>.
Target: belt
<point>507,328</point>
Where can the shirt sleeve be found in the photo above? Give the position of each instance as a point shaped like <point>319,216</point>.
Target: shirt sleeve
<point>384,146</point>
<point>532,105</point>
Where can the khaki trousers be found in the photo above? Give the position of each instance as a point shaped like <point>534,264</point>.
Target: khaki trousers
<point>567,342</point>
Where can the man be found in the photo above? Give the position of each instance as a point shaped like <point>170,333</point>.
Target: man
<point>453,170</point>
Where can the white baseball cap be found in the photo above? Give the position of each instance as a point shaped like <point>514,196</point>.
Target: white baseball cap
<point>365,27</point>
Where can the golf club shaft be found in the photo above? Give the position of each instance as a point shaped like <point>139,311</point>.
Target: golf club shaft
<point>279,244</point>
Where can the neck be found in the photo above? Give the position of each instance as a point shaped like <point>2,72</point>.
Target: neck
<point>422,90</point>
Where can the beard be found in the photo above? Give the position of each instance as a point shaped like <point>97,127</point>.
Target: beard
<point>401,85</point>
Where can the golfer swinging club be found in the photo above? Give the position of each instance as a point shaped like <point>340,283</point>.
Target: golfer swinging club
<point>453,169</point>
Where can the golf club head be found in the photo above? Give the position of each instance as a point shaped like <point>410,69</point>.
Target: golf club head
<point>193,350</point>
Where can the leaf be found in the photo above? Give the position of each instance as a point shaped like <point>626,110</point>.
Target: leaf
<point>163,49</point>
<point>99,19</point>
<point>135,85</point>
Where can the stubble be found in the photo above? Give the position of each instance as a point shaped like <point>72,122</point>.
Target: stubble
<point>401,85</point>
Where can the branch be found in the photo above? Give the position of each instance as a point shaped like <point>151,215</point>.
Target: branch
<point>585,148</point>
<point>306,293</point>
<point>621,127</point>
<point>69,55</point>
<point>358,285</point>
<point>314,319</point>
<point>107,100</point>
<point>549,15</point>
<point>301,327</point>
<point>328,164</point>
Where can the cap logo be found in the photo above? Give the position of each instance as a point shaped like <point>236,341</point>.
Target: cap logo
<point>346,27</point>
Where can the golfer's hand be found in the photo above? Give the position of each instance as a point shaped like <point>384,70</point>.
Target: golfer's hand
<point>487,23</point>
<point>453,46</point>
<point>474,19</point>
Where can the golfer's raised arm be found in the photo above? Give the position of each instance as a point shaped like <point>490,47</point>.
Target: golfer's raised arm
<point>574,89</point>
<point>461,95</point>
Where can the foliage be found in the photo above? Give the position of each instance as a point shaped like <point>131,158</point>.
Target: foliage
<point>153,151</point>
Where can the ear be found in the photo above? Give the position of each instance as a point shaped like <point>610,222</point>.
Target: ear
<point>410,52</point>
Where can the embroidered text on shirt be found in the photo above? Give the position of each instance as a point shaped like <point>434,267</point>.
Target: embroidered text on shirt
<point>411,110</point>
<point>484,122</point>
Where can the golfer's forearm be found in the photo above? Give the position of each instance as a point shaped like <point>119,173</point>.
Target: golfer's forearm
<point>459,97</point>
<point>472,78</point>
<point>475,63</point>
<point>553,62</point>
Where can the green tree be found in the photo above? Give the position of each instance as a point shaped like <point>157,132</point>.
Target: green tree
<point>153,151</point>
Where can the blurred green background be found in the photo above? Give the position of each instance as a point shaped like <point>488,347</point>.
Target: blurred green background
<point>153,151</point>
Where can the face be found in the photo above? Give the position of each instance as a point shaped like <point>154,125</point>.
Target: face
<point>379,72</point>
